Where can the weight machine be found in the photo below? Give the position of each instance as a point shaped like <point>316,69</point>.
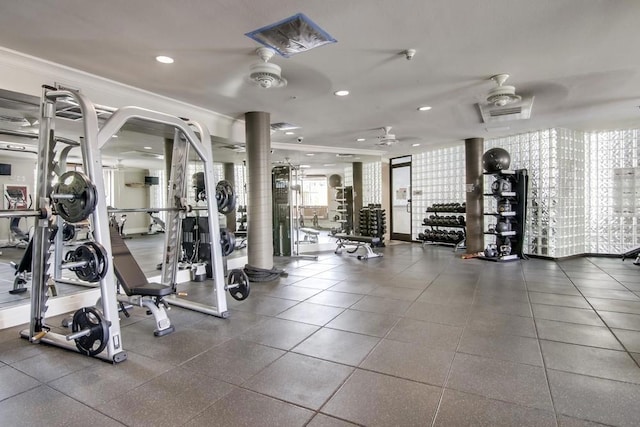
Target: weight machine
<point>76,197</point>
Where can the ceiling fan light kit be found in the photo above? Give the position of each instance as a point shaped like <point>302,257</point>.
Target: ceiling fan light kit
<point>265,74</point>
<point>502,95</point>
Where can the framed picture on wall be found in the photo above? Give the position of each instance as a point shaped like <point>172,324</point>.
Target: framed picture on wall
<point>16,196</point>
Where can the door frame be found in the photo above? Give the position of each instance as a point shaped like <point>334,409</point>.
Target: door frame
<point>394,163</point>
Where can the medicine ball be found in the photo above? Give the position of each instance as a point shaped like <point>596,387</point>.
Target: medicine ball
<point>495,160</point>
<point>504,206</point>
<point>500,186</point>
<point>501,227</point>
<point>335,180</point>
<point>491,251</point>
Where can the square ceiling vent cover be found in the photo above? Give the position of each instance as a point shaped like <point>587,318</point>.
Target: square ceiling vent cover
<point>283,126</point>
<point>292,35</point>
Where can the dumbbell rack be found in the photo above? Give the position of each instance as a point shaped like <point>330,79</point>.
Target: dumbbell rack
<point>510,213</point>
<point>344,198</point>
<point>373,222</point>
<point>443,228</point>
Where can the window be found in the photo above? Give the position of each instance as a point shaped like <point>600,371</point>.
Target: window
<point>315,191</point>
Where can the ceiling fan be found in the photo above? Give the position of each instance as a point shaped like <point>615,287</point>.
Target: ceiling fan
<point>502,95</point>
<point>388,139</point>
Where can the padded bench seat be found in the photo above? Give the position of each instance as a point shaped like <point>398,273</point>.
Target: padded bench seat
<point>357,242</point>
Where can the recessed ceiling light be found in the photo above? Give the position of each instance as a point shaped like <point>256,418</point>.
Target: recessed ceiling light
<point>357,158</point>
<point>415,145</point>
<point>147,148</point>
<point>310,154</point>
<point>341,93</point>
<point>360,139</point>
<point>424,108</point>
<point>164,59</point>
<point>329,164</point>
<point>289,133</point>
<point>305,166</point>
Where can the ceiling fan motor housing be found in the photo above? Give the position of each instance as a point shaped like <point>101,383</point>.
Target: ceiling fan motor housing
<point>267,75</point>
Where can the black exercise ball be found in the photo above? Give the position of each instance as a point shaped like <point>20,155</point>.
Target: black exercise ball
<point>495,160</point>
<point>335,180</point>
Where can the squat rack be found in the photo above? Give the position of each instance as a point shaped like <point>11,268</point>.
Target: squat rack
<point>94,140</point>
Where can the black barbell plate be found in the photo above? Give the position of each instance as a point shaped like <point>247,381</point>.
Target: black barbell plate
<point>85,197</point>
<point>227,241</point>
<point>225,197</point>
<point>238,284</point>
<point>96,341</point>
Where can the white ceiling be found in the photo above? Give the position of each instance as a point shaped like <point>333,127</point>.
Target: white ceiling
<point>577,57</point>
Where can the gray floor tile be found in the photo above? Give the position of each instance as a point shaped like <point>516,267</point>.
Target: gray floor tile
<point>497,379</point>
<point>293,292</point>
<point>498,323</point>
<point>13,382</point>
<point>316,282</point>
<point>373,399</point>
<point>314,314</point>
<point>234,361</point>
<point>337,346</point>
<point>17,349</point>
<point>619,306</point>
<point>636,357</point>
<point>621,320</point>
<point>609,293</point>
<point>565,421</point>
<point>321,420</point>
<point>363,322</point>
<point>566,314</point>
<point>561,300</point>
<point>411,361</point>
<point>167,400</point>
<point>433,335</point>
<point>174,348</point>
<point>45,406</point>
<point>102,382</point>
<point>397,293</point>
<point>279,333</point>
<point>354,287</point>
<point>597,362</point>
<point>453,299</point>
<point>464,409</point>
<point>630,339</point>
<point>605,283</point>
<point>512,308</point>
<point>335,299</point>
<point>234,325</point>
<point>261,304</point>
<point>53,363</point>
<point>504,347</point>
<point>594,336</point>
<point>437,313</point>
<point>246,408</point>
<point>596,399</point>
<point>553,288</point>
<point>382,305</point>
<point>301,380</point>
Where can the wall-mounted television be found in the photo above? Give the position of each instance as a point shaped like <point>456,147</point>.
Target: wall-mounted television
<point>5,169</point>
<point>151,180</point>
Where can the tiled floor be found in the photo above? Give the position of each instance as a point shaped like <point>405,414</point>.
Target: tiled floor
<point>419,337</point>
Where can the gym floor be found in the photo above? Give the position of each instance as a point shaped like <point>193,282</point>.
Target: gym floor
<point>419,337</point>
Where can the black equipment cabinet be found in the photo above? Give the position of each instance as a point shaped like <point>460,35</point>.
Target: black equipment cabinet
<point>509,189</point>
<point>447,225</point>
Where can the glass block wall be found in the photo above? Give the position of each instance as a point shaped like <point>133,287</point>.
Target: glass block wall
<point>348,176</point>
<point>612,180</point>
<point>371,183</point>
<point>437,176</point>
<point>241,187</point>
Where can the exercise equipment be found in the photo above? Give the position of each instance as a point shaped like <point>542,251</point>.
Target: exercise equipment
<point>225,197</point>
<point>227,241</point>
<point>353,243</point>
<point>157,224</point>
<point>88,261</point>
<point>500,186</point>
<point>138,291</point>
<point>495,160</point>
<point>238,284</point>
<point>74,196</point>
<point>90,331</point>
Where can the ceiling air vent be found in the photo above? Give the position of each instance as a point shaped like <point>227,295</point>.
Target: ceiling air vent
<point>518,111</point>
<point>292,35</point>
<point>283,126</point>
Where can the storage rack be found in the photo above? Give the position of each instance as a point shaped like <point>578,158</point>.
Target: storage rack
<point>344,216</point>
<point>445,229</point>
<point>373,222</point>
<point>510,192</point>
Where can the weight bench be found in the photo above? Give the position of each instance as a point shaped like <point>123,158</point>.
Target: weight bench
<point>311,234</point>
<point>137,288</point>
<point>353,243</point>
